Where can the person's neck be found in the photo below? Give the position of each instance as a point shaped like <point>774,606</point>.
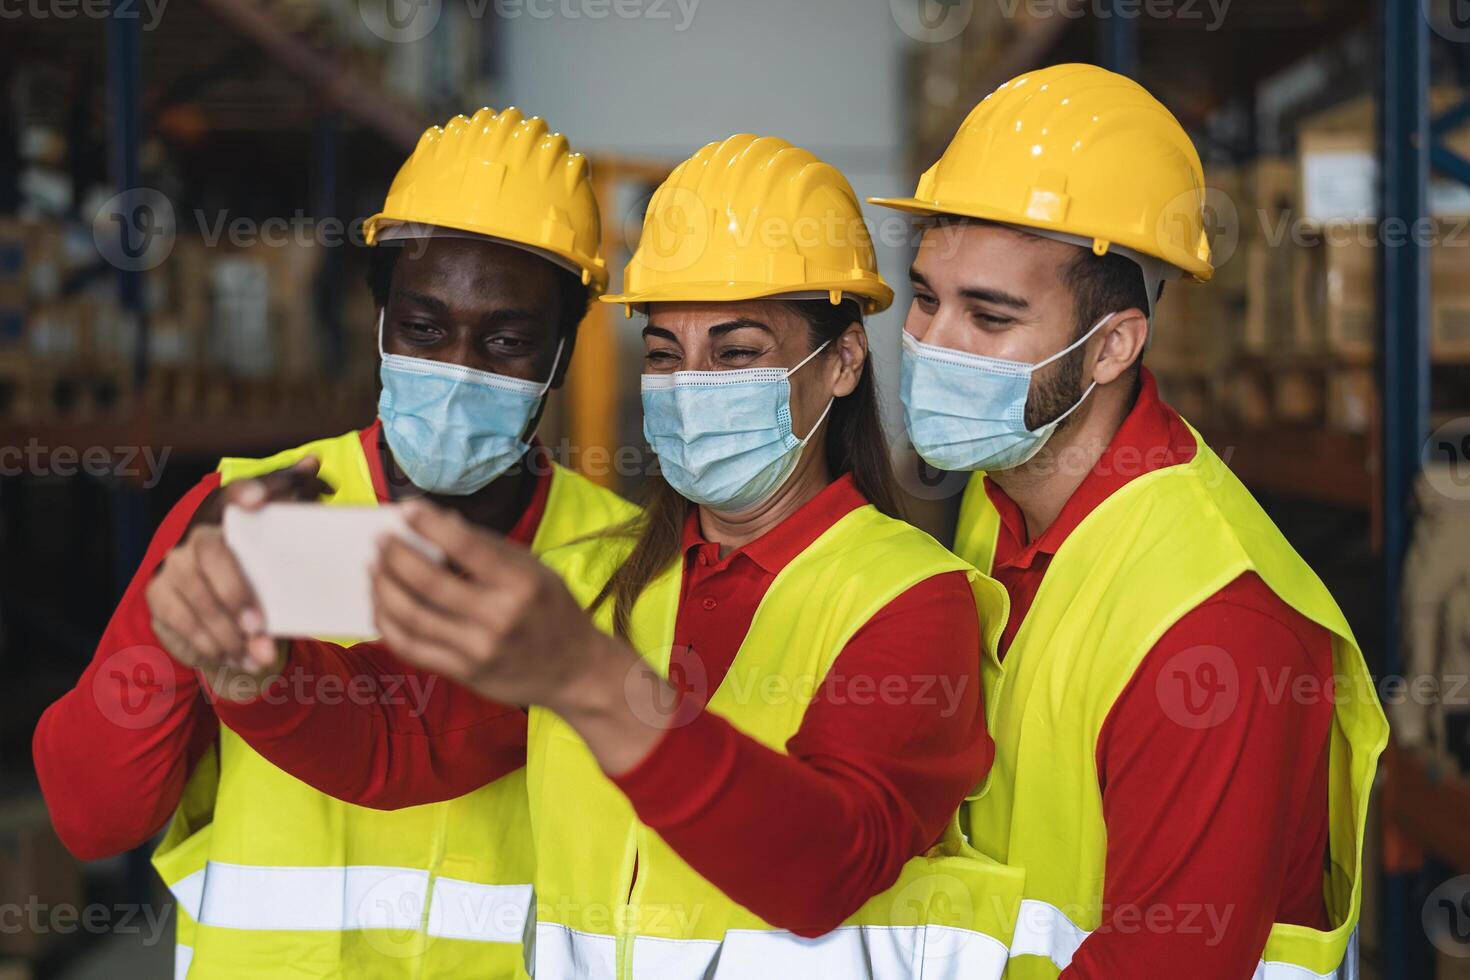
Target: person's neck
<point>1042,486</point>
<point>732,531</point>
<point>498,505</point>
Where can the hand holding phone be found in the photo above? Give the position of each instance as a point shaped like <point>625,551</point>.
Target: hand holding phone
<point>308,563</point>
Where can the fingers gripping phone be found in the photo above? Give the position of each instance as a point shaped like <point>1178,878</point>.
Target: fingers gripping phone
<point>308,563</point>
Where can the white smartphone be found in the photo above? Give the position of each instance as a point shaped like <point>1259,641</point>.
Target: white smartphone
<point>308,563</point>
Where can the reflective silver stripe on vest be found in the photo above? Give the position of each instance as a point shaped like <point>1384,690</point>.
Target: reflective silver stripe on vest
<point>337,899</point>
<point>881,952</point>
<point>182,956</point>
<point>1044,930</point>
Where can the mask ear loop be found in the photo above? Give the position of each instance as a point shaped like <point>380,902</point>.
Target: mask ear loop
<point>1080,340</point>
<point>1075,344</point>
<point>830,401</point>
<point>534,423</point>
<point>555,360</point>
<point>802,363</point>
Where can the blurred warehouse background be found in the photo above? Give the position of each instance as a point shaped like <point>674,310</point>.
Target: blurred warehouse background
<point>182,184</point>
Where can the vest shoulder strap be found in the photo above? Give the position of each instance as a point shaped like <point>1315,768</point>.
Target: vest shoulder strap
<point>979,523</point>
<point>575,508</point>
<point>344,466</point>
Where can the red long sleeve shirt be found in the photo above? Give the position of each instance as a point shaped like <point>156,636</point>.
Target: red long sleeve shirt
<point>893,741</point>
<point>131,730</point>
<point>1217,831</point>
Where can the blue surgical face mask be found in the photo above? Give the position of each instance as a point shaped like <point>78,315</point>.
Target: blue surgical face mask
<point>968,412</point>
<point>453,429</point>
<point>723,438</point>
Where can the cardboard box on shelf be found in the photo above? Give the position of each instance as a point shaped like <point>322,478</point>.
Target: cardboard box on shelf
<point>1298,395</point>
<point>1197,326</point>
<point>239,328</point>
<point>1449,297</point>
<point>1339,162</point>
<point>1334,296</point>
<point>1352,399</point>
<point>1270,275</point>
<point>1336,287</point>
<point>35,872</point>
<point>1271,195</point>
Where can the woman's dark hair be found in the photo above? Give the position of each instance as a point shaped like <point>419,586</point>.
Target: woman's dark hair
<point>854,444</point>
<point>574,297</point>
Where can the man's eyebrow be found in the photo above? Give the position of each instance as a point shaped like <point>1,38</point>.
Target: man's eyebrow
<point>431,303</point>
<point>513,315</point>
<point>997,296</point>
<point>985,295</point>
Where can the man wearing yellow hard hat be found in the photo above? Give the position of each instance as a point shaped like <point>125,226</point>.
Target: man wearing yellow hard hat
<point>1172,804</point>
<point>740,762</point>
<point>486,256</point>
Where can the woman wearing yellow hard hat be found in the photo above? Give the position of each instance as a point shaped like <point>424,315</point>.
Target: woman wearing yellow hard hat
<point>745,760</point>
<point>1156,612</point>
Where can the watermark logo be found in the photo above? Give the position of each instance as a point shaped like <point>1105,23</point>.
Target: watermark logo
<point>401,21</point>
<point>1447,456</point>
<point>1198,687</point>
<point>134,689</point>
<point>1450,19</point>
<point>391,911</point>
<point>672,701</point>
<point>932,21</point>
<point>1446,917</point>
<point>676,233</point>
<point>937,900</point>
<point>1178,222</point>
<point>135,230</point>
<point>921,480</point>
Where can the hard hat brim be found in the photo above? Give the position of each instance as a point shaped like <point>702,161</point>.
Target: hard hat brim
<point>1196,269</point>
<point>594,276</point>
<point>875,296</point>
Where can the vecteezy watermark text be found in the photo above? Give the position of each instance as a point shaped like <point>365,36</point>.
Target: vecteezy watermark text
<point>142,463</point>
<point>150,12</point>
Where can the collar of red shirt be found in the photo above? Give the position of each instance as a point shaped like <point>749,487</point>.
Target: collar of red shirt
<point>524,531</point>
<point>773,550</point>
<point>1152,436</point>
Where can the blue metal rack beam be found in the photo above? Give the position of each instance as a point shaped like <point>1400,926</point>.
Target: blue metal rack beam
<point>1120,39</point>
<point>1404,362</point>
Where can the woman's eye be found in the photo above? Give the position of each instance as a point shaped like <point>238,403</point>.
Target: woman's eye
<point>739,353</point>
<point>504,344</point>
<point>660,357</point>
<point>926,303</point>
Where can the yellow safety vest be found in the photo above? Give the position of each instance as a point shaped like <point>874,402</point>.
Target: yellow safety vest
<point>614,900</point>
<point>274,879</point>
<point>1151,552</point>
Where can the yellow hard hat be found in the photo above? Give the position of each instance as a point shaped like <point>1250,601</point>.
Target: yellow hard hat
<point>753,217</point>
<point>504,176</point>
<point>1079,151</point>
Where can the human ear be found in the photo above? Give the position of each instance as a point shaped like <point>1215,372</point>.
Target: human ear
<point>851,348</point>
<point>1123,340</point>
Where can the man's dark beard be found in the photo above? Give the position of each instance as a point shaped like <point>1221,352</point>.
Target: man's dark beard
<point>1057,392</point>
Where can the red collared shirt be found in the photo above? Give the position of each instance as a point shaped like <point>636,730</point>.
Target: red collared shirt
<point>1218,831</point>
<point>137,722</point>
<point>887,750</point>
